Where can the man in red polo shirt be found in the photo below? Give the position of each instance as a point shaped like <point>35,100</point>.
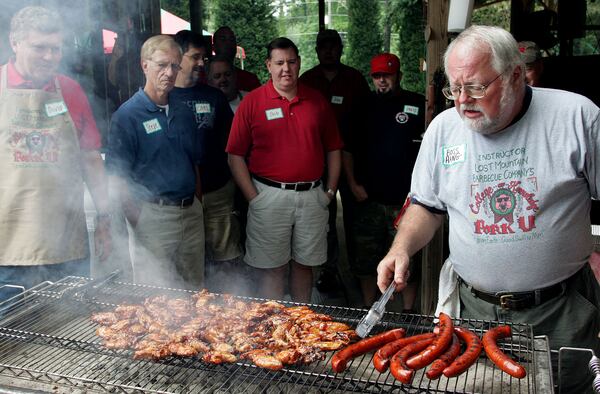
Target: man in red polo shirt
<point>48,148</point>
<point>281,135</point>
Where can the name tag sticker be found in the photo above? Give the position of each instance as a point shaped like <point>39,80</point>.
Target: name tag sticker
<point>152,126</point>
<point>453,154</point>
<point>56,108</point>
<point>411,109</point>
<point>274,113</point>
<point>202,108</point>
<point>337,99</point>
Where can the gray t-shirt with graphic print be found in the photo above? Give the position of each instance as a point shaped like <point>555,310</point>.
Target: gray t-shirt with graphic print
<point>519,200</point>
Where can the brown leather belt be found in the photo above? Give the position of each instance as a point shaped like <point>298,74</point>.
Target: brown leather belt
<point>521,299</point>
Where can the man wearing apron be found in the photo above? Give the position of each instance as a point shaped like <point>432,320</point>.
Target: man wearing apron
<point>48,147</point>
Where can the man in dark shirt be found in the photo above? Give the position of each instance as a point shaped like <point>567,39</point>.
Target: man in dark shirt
<point>342,86</point>
<point>216,188</point>
<point>383,139</point>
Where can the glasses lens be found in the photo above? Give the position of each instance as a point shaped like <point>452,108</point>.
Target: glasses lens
<point>475,91</point>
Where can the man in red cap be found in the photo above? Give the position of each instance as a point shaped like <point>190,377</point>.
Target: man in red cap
<point>384,137</point>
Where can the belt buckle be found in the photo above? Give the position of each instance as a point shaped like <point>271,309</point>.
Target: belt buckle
<point>504,300</point>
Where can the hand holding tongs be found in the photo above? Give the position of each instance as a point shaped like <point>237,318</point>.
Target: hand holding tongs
<point>375,314</point>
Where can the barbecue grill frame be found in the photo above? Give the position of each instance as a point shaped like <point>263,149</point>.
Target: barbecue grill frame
<point>78,297</point>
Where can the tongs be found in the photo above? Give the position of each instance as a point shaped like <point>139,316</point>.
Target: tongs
<point>375,314</point>
<point>81,292</point>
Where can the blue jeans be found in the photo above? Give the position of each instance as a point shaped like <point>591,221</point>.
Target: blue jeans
<point>29,276</point>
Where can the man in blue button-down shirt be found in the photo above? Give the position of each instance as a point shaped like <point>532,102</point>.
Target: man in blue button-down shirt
<point>153,152</point>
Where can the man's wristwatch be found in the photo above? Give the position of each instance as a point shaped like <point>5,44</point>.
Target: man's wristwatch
<point>330,192</point>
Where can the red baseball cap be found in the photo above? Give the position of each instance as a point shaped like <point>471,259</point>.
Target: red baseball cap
<point>385,63</point>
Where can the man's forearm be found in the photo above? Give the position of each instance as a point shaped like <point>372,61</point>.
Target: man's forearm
<point>415,230</point>
<point>241,175</point>
<point>334,167</point>
<point>95,179</point>
<point>348,162</point>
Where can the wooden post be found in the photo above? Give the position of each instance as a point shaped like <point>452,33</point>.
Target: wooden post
<point>321,15</point>
<point>436,37</point>
<point>196,16</point>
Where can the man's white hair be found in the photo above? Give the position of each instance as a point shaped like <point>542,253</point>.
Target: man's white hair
<point>34,18</point>
<point>493,40</point>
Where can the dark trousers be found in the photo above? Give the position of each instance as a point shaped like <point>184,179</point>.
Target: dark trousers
<point>572,320</point>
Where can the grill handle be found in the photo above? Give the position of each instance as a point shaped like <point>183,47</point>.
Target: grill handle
<point>594,365</point>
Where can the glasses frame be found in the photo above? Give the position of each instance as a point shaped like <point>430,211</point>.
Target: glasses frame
<point>447,90</point>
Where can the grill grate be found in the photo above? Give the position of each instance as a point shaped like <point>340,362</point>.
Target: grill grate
<point>47,337</point>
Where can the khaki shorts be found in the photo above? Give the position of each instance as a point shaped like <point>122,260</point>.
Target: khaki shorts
<point>167,246</point>
<point>221,226</point>
<point>284,225</point>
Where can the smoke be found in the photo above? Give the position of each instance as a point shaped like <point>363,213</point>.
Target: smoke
<point>84,60</point>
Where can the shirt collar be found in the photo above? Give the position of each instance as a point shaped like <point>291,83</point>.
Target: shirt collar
<point>274,94</point>
<point>148,104</point>
<point>16,80</point>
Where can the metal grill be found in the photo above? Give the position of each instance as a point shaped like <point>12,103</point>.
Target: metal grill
<point>47,338</point>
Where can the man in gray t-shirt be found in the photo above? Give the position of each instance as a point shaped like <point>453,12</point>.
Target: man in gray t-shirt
<point>515,169</point>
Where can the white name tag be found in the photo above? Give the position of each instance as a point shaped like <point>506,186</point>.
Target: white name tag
<point>202,108</point>
<point>337,99</point>
<point>411,109</point>
<point>57,108</point>
<point>275,113</point>
<point>453,154</point>
<point>152,126</point>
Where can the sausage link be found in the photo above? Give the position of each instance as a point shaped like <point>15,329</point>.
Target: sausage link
<point>439,345</point>
<point>398,366</point>
<point>504,362</point>
<point>381,359</point>
<point>437,367</point>
<point>471,354</point>
<point>340,360</point>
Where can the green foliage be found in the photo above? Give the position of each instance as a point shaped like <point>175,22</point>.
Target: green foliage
<point>254,25</point>
<point>497,14</point>
<point>408,19</point>
<point>181,8</point>
<point>300,23</point>
<point>364,35</point>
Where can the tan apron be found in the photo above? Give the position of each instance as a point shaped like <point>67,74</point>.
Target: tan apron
<point>42,220</point>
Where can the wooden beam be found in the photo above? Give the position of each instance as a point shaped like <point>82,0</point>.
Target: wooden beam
<point>436,36</point>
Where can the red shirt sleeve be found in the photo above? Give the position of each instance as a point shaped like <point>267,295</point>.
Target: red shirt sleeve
<point>81,113</point>
<point>240,136</point>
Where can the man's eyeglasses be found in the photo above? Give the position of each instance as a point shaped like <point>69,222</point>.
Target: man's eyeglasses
<point>473,91</point>
<point>198,57</point>
<point>163,66</point>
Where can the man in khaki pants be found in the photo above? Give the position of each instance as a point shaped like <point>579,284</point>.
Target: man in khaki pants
<point>49,147</point>
<point>154,148</point>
